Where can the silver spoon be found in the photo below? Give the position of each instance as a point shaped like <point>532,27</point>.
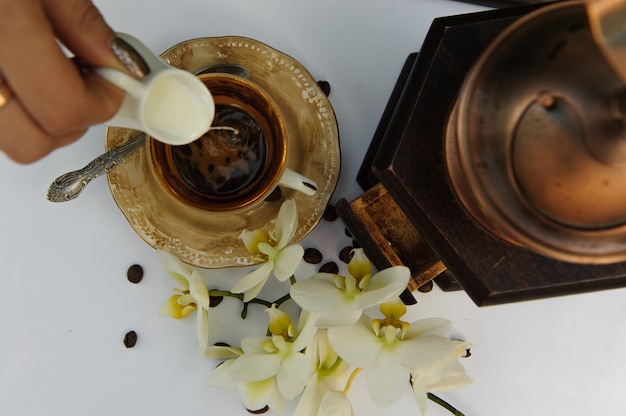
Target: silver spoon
<point>68,186</point>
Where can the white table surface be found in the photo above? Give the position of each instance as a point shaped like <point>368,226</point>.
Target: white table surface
<point>66,304</point>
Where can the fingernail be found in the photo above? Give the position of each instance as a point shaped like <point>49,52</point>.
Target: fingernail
<point>130,58</point>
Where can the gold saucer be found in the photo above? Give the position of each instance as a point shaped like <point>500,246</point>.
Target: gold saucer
<point>212,241</point>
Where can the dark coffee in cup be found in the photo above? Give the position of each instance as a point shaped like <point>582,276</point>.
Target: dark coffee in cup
<point>237,163</point>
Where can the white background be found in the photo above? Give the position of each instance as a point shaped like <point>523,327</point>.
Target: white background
<point>66,304</point>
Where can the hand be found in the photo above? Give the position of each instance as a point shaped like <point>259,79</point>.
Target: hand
<point>53,102</point>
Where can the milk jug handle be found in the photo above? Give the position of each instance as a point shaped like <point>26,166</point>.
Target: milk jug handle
<point>121,80</point>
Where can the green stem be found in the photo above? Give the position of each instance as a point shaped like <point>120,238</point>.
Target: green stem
<point>240,297</point>
<point>445,405</point>
<point>282,300</point>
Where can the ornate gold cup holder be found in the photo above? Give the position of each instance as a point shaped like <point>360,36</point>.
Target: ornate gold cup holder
<point>409,213</point>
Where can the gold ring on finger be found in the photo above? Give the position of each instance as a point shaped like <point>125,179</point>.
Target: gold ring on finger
<point>6,93</point>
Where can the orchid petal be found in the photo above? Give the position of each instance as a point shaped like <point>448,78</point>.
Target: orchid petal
<point>335,403</point>
<point>359,265</point>
<point>384,286</point>
<point>386,379</point>
<point>202,329</point>
<point>356,343</point>
<point>222,352</point>
<point>257,395</point>
<point>286,222</point>
<point>307,328</point>
<point>287,261</point>
<point>268,250</point>
<point>318,293</point>
<point>253,345</point>
<point>186,299</point>
<point>454,378</point>
<point>177,270</point>
<point>342,313</point>
<point>423,351</point>
<point>254,291</point>
<point>197,289</point>
<point>252,239</point>
<point>279,321</point>
<point>221,377</point>
<point>429,326</point>
<point>187,310</point>
<point>311,398</point>
<point>172,308</point>
<point>420,393</point>
<point>255,367</point>
<point>253,279</point>
<point>292,375</point>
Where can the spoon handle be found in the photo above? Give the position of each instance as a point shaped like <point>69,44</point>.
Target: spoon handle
<point>68,186</point>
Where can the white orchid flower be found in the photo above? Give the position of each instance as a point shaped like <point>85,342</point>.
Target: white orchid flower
<point>444,375</point>
<point>279,355</point>
<point>339,300</point>
<point>254,395</point>
<point>193,295</point>
<point>270,364</point>
<point>280,257</point>
<point>389,349</point>
<point>323,394</point>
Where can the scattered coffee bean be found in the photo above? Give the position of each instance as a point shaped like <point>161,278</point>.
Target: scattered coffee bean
<point>130,339</point>
<point>312,256</point>
<point>221,344</point>
<point>259,411</point>
<point>345,255</point>
<point>135,273</point>
<point>325,86</point>
<point>330,267</point>
<point>215,300</point>
<point>330,213</point>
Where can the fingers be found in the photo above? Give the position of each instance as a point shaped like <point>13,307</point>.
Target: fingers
<point>53,102</point>
<point>22,140</point>
<point>50,88</point>
<point>79,25</point>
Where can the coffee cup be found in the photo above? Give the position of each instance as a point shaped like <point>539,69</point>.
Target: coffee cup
<point>169,104</point>
<point>239,162</point>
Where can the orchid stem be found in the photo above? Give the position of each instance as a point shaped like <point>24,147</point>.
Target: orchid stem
<point>445,405</point>
<point>282,300</point>
<point>244,312</point>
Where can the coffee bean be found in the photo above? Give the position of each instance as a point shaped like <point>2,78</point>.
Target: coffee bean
<point>345,255</point>
<point>259,411</point>
<point>330,267</point>
<point>325,86</point>
<point>347,233</point>
<point>330,213</point>
<point>130,339</point>
<point>215,300</point>
<point>312,256</point>
<point>134,273</point>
